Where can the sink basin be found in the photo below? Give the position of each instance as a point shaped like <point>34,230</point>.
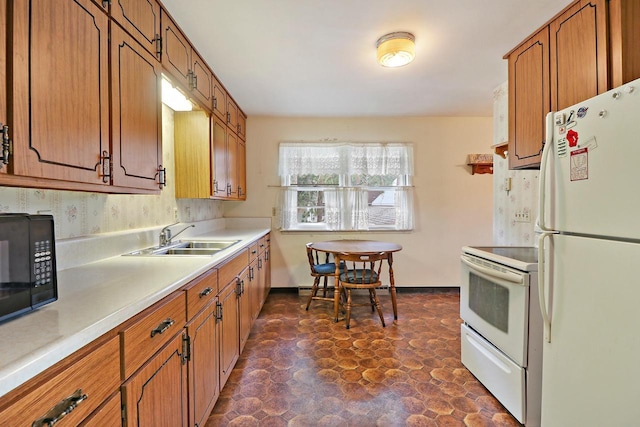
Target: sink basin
<point>186,248</point>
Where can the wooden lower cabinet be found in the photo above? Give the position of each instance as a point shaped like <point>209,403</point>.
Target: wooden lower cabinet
<point>156,395</point>
<point>203,366</point>
<point>228,330</point>
<point>73,384</point>
<point>108,414</point>
<point>245,307</point>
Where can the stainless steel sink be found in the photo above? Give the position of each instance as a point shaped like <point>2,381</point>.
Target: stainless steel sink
<point>186,248</point>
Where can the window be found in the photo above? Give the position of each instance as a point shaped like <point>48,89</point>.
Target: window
<point>346,186</point>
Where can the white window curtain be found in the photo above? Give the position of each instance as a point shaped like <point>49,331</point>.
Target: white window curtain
<point>299,158</point>
<point>346,207</point>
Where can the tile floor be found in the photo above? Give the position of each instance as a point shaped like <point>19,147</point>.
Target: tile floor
<point>300,368</point>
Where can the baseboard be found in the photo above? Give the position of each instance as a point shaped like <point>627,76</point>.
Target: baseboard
<point>306,290</point>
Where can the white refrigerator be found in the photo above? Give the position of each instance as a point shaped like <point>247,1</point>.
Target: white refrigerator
<point>589,250</point>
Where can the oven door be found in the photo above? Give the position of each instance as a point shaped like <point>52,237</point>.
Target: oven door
<point>494,301</point>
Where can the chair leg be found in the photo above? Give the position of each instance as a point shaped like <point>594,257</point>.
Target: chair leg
<point>324,291</point>
<point>378,306</point>
<point>348,315</point>
<point>314,290</point>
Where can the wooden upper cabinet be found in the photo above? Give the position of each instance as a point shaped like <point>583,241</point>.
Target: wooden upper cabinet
<point>624,34</point>
<point>232,160</point>
<point>60,93</point>
<point>141,19</point>
<point>219,100</point>
<point>176,51</point>
<point>232,115</point>
<point>3,83</point>
<point>192,155</point>
<point>220,184</point>
<point>241,170</point>
<point>137,114</point>
<point>242,125</point>
<point>528,100</point>
<point>201,80</point>
<point>578,48</point>
<point>184,64</point>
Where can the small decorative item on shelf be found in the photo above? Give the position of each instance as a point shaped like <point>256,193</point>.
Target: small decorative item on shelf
<point>480,163</point>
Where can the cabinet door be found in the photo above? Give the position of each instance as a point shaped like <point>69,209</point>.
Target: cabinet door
<point>219,159</point>
<point>578,45</point>
<point>176,51</point>
<point>192,157</point>
<point>141,19</point>
<point>201,81</point>
<point>528,100</point>
<point>136,115</point>
<point>624,33</point>
<point>242,125</point>
<point>3,75</point>
<point>241,170</point>
<point>92,372</point>
<point>108,414</point>
<point>60,96</point>
<point>228,331</point>
<point>203,368</point>
<point>254,288</point>
<point>156,395</point>
<point>219,100</point>
<point>232,164</point>
<point>245,307</point>
<point>232,115</point>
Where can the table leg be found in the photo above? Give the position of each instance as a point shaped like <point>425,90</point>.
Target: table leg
<point>336,295</point>
<point>392,286</point>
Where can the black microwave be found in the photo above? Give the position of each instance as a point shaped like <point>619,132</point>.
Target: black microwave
<point>27,263</point>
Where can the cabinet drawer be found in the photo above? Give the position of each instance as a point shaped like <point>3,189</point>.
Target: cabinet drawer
<point>254,250</point>
<point>233,268</point>
<point>150,330</point>
<point>109,414</point>
<point>201,291</point>
<point>93,374</point>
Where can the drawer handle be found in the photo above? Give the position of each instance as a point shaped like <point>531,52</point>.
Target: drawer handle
<point>205,292</point>
<point>162,327</point>
<point>63,408</point>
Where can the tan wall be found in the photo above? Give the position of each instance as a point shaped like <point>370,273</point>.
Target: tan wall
<point>453,208</point>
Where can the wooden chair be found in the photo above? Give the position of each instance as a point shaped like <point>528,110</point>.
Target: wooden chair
<point>320,269</point>
<point>361,271</point>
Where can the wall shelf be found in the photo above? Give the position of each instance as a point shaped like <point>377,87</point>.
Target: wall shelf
<point>480,163</point>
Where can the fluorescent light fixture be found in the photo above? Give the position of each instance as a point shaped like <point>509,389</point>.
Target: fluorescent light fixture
<point>173,98</point>
<point>396,49</point>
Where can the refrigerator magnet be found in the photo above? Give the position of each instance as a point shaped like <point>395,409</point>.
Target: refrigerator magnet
<point>579,164</point>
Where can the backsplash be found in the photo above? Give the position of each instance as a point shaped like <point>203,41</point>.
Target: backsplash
<point>522,199</point>
<point>80,214</point>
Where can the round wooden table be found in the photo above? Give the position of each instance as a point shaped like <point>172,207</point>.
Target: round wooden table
<point>361,247</point>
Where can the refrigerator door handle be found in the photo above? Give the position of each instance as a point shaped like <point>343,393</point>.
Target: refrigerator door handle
<point>543,173</point>
<point>546,319</point>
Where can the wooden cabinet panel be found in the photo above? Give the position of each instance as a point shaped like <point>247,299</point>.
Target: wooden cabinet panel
<point>220,183</point>
<point>93,370</point>
<point>578,47</point>
<point>232,162</point>
<point>242,126</point>
<point>157,394</point>
<point>624,34</point>
<point>201,292</point>
<point>108,414</point>
<point>203,366</point>
<point>232,268</point>
<point>228,330</point>
<point>528,100</point>
<point>232,115</point>
<point>219,100</point>
<point>145,334</point>
<point>241,170</point>
<point>192,155</point>
<point>141,19</point>
<point>201,80</point>
<point>176,51</point>
<point>3,79</point>
<point>245,308</point>
<point>137,114</point>
<point>52,83</point>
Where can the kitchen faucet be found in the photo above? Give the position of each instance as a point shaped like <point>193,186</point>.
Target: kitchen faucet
<point>166,235</point>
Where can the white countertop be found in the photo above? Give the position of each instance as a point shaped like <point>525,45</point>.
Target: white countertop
<point>96,297</point>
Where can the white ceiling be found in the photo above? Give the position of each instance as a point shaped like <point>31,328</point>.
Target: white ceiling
<point>318,57</point>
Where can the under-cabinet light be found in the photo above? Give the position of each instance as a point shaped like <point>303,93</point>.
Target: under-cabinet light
<point>173,98</point>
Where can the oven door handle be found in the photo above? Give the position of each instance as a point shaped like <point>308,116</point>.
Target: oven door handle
<point>491,273</point>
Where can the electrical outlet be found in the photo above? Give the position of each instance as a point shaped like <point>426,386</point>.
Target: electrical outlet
<point>522,216</point>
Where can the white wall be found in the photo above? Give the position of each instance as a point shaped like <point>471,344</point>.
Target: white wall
<point>453,207</point>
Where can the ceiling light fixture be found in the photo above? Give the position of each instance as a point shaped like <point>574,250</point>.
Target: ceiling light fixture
<point>396,49</point>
